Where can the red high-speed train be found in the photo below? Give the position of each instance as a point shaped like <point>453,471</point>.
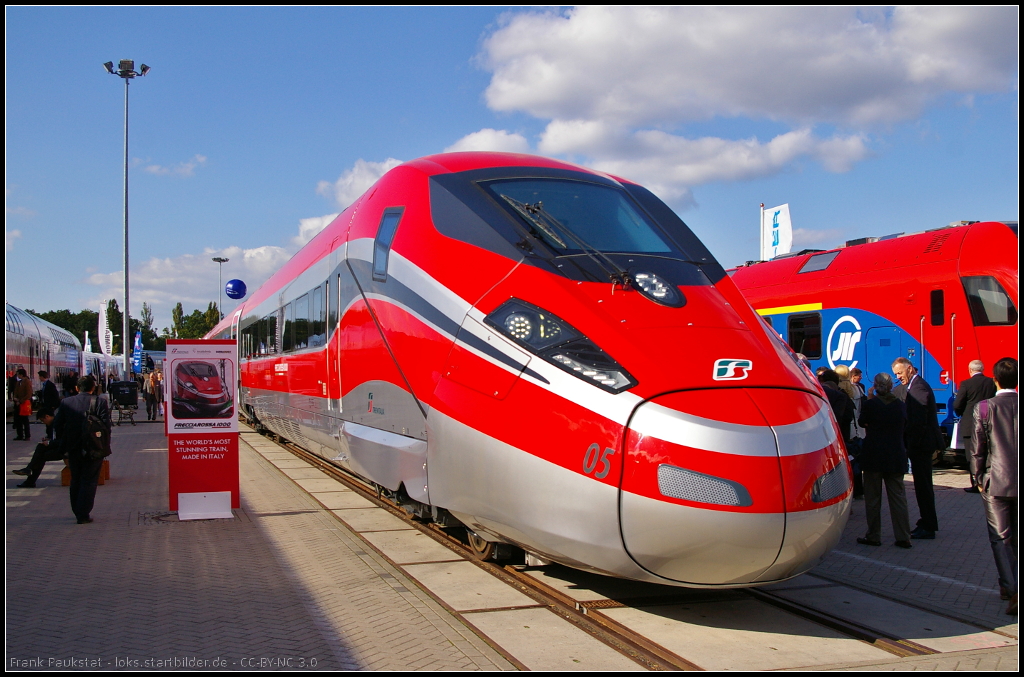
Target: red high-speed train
<point>548,356</point>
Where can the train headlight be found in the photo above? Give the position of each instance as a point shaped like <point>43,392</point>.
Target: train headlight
<point>518,326</point>
<point>659,290</point>
<point>556,341</point>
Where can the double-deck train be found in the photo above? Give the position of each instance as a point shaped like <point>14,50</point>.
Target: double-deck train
<point>33,344</point>
<point>549,357</point>
<point>940,298</point>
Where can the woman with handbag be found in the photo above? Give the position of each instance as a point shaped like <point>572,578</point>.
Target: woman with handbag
<point>22,405</point>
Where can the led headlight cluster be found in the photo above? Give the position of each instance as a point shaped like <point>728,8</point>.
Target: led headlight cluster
<point>659,290</point>
<point>557,342</point>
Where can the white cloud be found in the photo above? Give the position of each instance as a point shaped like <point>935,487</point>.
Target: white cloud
<point>670,164</point>
<point>9,237</point>
<point>194,279</point>
<point>354,182</point>
<point>491,140</point>
<point>308,228</point>
<point>186,168</point>
<point>666,65</point>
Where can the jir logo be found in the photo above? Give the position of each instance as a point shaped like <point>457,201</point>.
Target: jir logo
<point>847,342</point>
<point>732,370</point>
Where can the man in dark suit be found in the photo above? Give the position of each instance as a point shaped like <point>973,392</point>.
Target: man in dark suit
<point>922,437</point>
<point>69,424</point>
<point>973,390</point>
<point>49,398</point>
<point>994,464</point>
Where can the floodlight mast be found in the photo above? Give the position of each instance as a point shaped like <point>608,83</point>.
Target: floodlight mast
<point>126,71</point>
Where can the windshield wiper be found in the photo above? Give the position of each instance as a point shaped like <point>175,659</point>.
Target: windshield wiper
<point>546,222</point>
<point>530,213</point>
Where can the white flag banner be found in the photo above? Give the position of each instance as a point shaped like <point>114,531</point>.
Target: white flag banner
<point>103,334</point>
<point>776,232</point>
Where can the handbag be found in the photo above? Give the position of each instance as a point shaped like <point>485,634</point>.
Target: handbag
<point>25,408</point>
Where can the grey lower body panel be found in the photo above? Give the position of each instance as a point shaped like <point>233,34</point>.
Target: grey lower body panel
<point>385,457</point>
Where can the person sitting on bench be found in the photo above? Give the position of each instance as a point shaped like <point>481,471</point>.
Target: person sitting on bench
<point>45,451</point>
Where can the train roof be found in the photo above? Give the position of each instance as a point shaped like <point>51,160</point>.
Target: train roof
<point>430,165</point>
<point>891,251</point>
<point>16,320</point>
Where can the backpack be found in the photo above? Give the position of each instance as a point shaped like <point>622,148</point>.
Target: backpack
<point>95,435</point>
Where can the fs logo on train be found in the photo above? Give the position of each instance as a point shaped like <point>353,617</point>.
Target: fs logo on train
<point>732,370</point>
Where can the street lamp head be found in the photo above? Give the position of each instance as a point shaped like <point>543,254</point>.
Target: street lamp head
<point>145,69</point>
<point>110,67</point>
<point>126,65</point>
<point>218,259</point>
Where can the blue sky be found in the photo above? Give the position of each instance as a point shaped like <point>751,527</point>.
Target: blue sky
<point>255,125</point>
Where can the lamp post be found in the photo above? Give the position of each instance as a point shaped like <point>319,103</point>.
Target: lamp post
<point>126,71</point>
<point>220,275</point>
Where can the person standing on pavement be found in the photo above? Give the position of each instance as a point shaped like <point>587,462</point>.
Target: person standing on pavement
<point>973,390</point>
<point>49,399</point>
<point>856,431</point>
<point>994,465</point>
<point>69,425</point>
<point>22,397</point>
<point>883,459</point>
<point>922,437</point>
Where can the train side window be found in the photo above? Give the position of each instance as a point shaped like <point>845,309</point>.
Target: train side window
<point>316,318</point>
<point>287,329</point>
<point>382,243</point>
<point>268,334</point>
<point>938,303</point>
<point>301,321</point>
<point>989,303</point>
<point>818,262</point>
<point>332,304</point>
<point>768,320</point>
<point>805,334</point>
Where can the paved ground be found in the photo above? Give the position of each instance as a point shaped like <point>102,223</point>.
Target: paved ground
<point>955,573</point>
<point>300,579</point>
<point>284,585</point>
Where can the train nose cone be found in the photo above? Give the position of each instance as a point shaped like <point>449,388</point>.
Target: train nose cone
<point>711,477</point>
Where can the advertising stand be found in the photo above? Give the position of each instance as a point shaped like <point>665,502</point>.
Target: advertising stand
<point>201,418</point>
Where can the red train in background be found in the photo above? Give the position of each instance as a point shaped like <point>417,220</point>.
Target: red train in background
<point>548,356</point>
<point>940,298</point>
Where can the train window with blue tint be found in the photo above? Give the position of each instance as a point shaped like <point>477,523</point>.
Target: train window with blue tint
<point>988,301</point>
<point>805,334</point>
<point>382,243</point>
<point>301,322</point>
<point>938,307</point>
<point>568,215</point>
<point>818,262</point>
<point>332,305</point>
<point>316,318</point>
<point>287,329</point>
<point>268,334</point>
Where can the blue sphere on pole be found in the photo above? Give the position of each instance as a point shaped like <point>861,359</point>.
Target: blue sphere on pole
<point>235,289</point>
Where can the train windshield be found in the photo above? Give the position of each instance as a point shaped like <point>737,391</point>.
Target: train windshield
<point>989,302</point>
<point>200,370</point>
<point>575,216</point>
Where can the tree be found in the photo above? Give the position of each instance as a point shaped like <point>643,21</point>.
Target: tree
<point>177,321</point>
<point>75,323</point>
<point>198,324</point>
<point>150,340</point>
<point>115,322</point>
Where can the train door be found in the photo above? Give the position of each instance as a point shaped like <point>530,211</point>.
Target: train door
<point>884,344</point>
<point>332,299</point>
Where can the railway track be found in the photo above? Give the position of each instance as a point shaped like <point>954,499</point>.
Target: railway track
<point>592,616</point>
